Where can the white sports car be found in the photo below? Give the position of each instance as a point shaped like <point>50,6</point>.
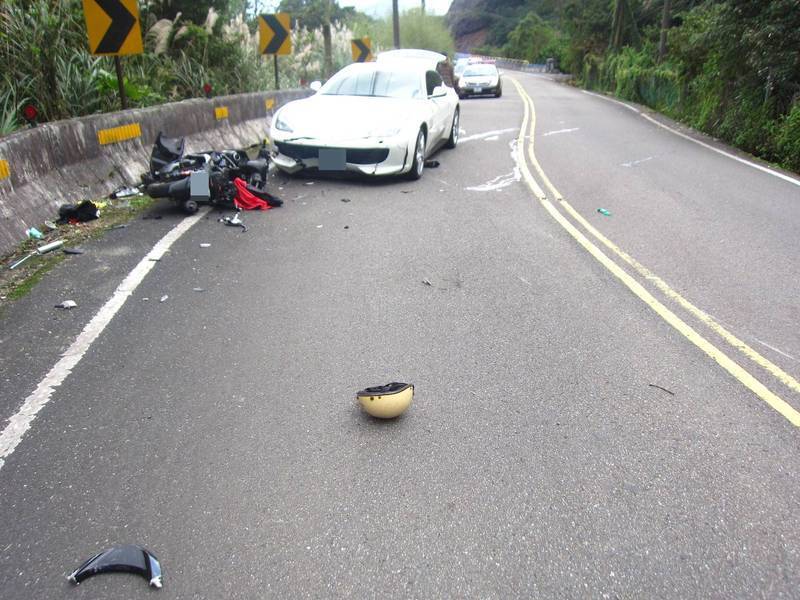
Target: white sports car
<point>380,118</point>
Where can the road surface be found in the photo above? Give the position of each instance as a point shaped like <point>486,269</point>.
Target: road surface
<point>606,406</point>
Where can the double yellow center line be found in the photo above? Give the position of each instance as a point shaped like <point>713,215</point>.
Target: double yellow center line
<point>753,384</point>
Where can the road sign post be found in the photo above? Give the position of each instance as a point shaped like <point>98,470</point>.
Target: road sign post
<point>361,49</point>
<point>275,37</point>
<point>121,83</point>
<point>114,29</point>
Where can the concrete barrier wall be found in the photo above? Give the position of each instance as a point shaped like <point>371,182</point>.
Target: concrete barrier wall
<point>89,157</point>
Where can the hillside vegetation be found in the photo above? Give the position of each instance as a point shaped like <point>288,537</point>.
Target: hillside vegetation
<point>730,68</point>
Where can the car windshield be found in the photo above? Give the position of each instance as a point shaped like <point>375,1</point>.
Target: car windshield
<point>477,70</point>
<point>374,82</point>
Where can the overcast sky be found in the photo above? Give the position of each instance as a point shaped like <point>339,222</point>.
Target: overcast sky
<point>376,8</point>
<point>380,8</point>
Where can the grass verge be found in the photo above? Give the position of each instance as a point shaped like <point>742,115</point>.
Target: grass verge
<point>17,283</point>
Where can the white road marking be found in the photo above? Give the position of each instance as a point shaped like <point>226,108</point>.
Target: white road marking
<point>557,131</point>
<point>20,422</point>
<point>501,181</point>
<point>494,138</point>
<point>744,161</point>
<point>485,134</point>
<point>614,100</point>
<point>633,163</point>
<point>776,350</point>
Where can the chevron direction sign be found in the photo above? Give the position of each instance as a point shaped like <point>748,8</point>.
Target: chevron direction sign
<point>113,27</point>
<point>274,34</point>
<point>362,49</point>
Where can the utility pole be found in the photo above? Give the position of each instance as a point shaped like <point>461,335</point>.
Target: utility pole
<point>396,24</point>
<point>665,23</point>
<point>326,39</point>
<point>423,8</point>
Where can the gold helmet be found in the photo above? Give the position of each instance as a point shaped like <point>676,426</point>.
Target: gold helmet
<point>386,401</point>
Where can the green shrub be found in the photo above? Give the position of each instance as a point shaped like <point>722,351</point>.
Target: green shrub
<point>788,139</point>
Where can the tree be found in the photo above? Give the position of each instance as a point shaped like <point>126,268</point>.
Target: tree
<point>194,10</point>
<point>532,40</point>
<point>318,14</point>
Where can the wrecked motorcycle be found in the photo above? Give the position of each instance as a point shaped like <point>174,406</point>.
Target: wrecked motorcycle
<point>206,177</point>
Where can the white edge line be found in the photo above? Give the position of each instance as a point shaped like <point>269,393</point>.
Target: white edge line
<point>744,161</point>
<point>614,100</point>
<point>749,163</point>
<point>20,422</point>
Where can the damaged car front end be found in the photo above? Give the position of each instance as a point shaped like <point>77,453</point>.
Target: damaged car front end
<point>327,147</point>
<point>367,119</point>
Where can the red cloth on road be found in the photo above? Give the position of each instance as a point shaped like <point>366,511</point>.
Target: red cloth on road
<point>246,200</point>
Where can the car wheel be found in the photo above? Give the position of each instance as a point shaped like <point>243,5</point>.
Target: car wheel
<point>418,166</point>
<point>498,93</point>
<point>453,139</point>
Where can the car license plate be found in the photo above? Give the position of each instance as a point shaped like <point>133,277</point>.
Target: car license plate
<point>477,89</point>
<point>332,159</point>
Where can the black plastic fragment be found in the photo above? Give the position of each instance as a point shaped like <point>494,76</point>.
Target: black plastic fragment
<point>121,559</point>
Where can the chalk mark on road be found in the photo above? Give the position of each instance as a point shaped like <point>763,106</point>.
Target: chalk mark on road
<point>559,131</point>
<point>633,163</point>
<point>485,134</point>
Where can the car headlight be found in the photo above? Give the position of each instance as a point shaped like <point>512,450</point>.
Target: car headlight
<point>280,124</point>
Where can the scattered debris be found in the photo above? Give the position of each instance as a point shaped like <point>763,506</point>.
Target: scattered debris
<point>405,191</point>
<point>431,164</point>
<point>309,183</point>
<point>249,197</point>
<point>386,401</point>
<point>345,199</point>
<point>145,299</point>
<point>603,211</point>
<point>427,282</point>
<point>151,259</point>
<point>164,298</point>
<point>80,213</point>
<point>319,226</point>
<point>234,221</point>
<point>121,559</point>
<point>34,234</point>
<point>663,389</point>
<point>347,226</point>
<point>198,290</point>
<point>125,192</point>
<point>40,250</point>
<point>67,304</point>
<point>205,245</point>
<point>120,226</point>
<point>50,225</point>
<point>72,251</point>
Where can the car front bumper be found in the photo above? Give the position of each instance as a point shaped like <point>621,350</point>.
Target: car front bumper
<point>367,156</point>
<point>473,90</point>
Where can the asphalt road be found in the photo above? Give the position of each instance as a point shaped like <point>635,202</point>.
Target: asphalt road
<point>219,428</point>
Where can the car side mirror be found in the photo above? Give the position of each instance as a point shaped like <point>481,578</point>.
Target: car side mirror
<point>315,85</point>
<point>438,92</point>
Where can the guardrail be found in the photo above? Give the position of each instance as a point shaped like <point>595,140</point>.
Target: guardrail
<point>88,157</point>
